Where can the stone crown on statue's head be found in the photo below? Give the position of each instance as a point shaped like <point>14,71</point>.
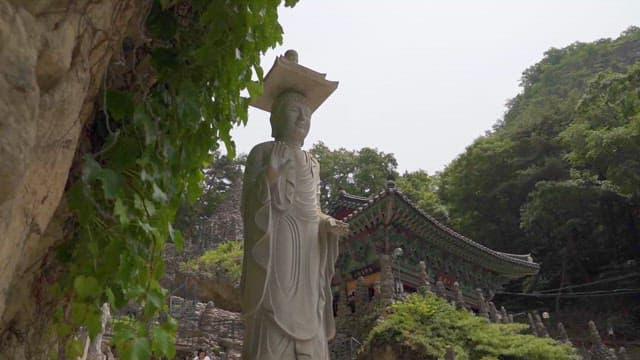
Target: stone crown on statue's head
<point>286,76</point>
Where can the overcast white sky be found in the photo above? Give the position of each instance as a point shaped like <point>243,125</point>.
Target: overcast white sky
<point>423,79</point>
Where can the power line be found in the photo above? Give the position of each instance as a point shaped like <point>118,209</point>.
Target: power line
<point>592,283</point>
<point>599,293</point>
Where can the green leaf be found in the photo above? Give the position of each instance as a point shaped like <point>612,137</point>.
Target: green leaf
<point>111,183</point>
<point>73,349</point>
<point>158,194</point>
<point>119,104</point>
<point>194,190</point>
<point>162,24</point>
<point>162,342</point>
<point>149,229</point>
<point>136,292</point>
<point>78,313</point>
<point>111,297</point>
<point>120,211</point>
<point>90,169</point>
<point>94,323</point>
<point>140,349</point>
<point>255,89</point>
<point>79,202</point>
<point>164,59</point>
<point>86,286</point>
<point>123,155</point>
<point>176,237</point>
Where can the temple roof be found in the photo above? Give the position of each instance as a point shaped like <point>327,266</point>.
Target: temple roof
<point>361,212</point>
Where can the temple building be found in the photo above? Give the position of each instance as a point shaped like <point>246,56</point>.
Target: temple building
<point>390,223</point>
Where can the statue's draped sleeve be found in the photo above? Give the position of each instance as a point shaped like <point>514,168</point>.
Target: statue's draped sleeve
<point>256,212</point>
<point>329,254</point>
<point>259,201</point>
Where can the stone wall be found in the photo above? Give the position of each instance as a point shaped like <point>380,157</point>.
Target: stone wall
<point>53,56</point>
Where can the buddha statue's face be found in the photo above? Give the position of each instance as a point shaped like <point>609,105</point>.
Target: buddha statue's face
<point>290,119</point>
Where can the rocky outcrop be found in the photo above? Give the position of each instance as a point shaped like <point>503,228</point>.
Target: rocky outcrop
<point>205,326</point>
<point>214,286</point>
<point>53,56</point>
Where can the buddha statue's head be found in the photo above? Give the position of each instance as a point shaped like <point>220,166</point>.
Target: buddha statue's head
<point>290,118</point>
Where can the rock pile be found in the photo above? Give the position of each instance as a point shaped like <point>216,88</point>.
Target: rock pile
<point>204,326</point>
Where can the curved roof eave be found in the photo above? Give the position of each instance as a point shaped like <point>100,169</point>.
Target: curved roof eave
<point>523,260</point>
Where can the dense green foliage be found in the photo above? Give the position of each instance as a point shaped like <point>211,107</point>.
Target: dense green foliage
<point>559,176</point>
<point>422,188</point>
<point>360,172</point>
<point>151,143</point>
<point>364,172</point>
<point>225,258</point>
<point>422,327</point>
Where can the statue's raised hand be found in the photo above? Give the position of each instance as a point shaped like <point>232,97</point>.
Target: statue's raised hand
<point>278,161</point>
<point>338,227</point>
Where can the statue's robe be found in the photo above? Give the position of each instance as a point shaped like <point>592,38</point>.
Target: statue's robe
<point>289,259</point>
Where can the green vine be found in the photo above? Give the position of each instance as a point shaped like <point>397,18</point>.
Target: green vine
<point>156,141</point>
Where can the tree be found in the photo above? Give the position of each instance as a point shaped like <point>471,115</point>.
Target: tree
<point>605,138</point>
<point>423,190</point>
<point>220,177</point>
<point>359,172</point>
<point>578,227</point>
<point>559,176</point>
<point>485,187</point>
<point>424,327</point>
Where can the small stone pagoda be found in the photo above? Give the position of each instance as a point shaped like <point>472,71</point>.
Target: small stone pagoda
<point>389,223</point>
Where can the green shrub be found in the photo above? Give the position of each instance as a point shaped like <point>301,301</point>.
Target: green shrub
<point>425,326</point>
<point>227,258</point>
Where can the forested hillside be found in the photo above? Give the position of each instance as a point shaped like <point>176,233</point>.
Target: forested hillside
<point>560,175</point>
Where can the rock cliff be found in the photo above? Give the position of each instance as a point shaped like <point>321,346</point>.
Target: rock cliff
<point>53,57</point>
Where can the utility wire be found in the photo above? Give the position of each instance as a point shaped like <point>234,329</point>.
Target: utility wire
<point>598,293</point>
<point>592,283</point>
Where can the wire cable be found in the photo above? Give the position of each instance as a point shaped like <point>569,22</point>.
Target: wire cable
<point>598,293</point>
<point>591,283</point>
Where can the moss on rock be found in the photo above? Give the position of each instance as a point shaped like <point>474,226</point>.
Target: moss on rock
<point>226,259</point>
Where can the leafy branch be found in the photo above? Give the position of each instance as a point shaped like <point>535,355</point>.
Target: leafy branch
<point>154,138</point>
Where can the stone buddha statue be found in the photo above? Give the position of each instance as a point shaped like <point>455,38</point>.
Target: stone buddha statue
<point>290,245</point>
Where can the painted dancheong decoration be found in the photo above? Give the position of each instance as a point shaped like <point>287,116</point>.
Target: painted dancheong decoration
<point>382,224</point>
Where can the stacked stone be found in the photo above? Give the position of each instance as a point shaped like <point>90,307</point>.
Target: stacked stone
<point>425,286</point>
<point>563,337</point>
<point>175,306</point>
<point>532,325</point>
<point>361,296</point>
<point>612,352</point>
<point>542,330</point>
<point>208,309</point>
<point>387,287</point>
<point>460,303</point>
<point>450,354</point>
<point>599,351</point>
<point>482,303</point>
<point>622,354</point>
<point>440,290</point>
<point>493,313</point>
<point>344,310</point>
<point>505,315</point>
<point>377,294</point>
